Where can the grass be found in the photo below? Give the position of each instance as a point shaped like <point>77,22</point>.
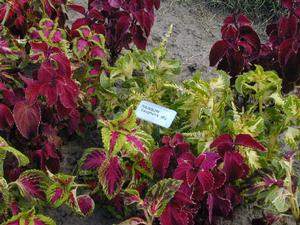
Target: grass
<point>258,10</point>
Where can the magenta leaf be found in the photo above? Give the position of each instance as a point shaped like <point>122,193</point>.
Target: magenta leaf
<point>27,118</point>
<point>57,194</point>
<point>174,215</point>
<point>32,184</point>
<point>114,3</point>
<point>207,160</point>
<point>92,159</point>
<point>4,47</point>
<point>136,143</point>
<point>86,204</point>
<point>288,4</point>
<point>161,160</point>
<point>111,176</point>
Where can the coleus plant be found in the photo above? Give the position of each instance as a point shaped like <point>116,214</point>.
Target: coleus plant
<point>121,22</point>
<point>207,186</point>
<point>261,105</point>
<point>126,145</point>
<point>30,184</point>
<point>239,47</point>
<point>154,203</point>
<point>278,189</point>
<point>281,52</point>
<point>201,106</point>
<point>34,186</point>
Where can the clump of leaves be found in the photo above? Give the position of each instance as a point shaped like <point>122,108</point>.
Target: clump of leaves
<point>262,105</point>
<point>122,22</point>
<point>239,47</point>
<point>278,189</point>
<point>207,189</point>
<point>155,201</point>
<point>281,53</point>
<point>126,145</point>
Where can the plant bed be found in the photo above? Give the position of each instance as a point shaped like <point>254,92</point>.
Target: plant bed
<point>232,144</point>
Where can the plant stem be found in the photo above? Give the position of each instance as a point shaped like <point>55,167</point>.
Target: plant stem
<point>260,104</point>
<point>293,199</point>
<point>6,14</point>
<point>148,218</point>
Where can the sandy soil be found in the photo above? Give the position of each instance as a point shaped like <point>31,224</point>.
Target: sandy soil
<point>196,28</point>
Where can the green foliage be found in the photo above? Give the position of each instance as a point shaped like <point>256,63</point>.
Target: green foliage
<point>155,201</point>
<point>259,10</point>
<point>30,217</point>
<point>137,75</point>
<point>4,148</point>
<point>279,192</point>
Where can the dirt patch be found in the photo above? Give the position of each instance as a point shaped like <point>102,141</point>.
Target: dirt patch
<point>195,30</point>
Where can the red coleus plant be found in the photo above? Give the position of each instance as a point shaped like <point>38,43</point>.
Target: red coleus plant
<point>239,47</point>
<point>20,15</point>
<point>122,22</point>
<point>282,51</point>
<point>207,179</point>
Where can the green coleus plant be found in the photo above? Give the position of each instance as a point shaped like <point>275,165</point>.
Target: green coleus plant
<point>126,145</point>
<point>201,108</point>
<point>263,112</point>
<point>135,76</point>
<point>278,190</point>
<point>29,217</point>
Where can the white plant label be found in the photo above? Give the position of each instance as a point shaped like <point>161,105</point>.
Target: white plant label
<point>156,114</point>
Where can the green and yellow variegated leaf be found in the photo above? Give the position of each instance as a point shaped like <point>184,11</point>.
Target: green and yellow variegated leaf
<point>4,194</point>
<point>159,195</point>
<point>291,136</point>
<point>31,218</point>
<point>252,158</point>
<point>292,107</point>
<point>278,197</point>
<point>262,85</point>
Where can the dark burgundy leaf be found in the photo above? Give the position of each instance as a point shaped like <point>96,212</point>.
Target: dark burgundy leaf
<point>217,52</point>
<point>161,160</point>
<point>77,8</point>
<point>235,166</point>
<point>6,117</point>
<point>27,118</point>
<point>247,141</point>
